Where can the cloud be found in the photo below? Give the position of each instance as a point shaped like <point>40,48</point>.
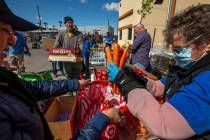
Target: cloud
<point>83,1</point>
<point>113,6</point>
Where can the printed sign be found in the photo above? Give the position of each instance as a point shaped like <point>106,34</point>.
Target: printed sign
<point>62,54</point>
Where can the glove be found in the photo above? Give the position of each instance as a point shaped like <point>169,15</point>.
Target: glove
<point>113,70</point>
<point>138,77</point>
<point>126,81</point>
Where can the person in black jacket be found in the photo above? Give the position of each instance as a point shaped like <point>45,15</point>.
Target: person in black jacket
<point>20,116</point>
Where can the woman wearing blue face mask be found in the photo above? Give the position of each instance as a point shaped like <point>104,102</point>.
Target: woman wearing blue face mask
<point>186,90</point>
<point>183,54</point>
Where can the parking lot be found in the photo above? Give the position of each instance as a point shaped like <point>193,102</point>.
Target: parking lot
<point>38,61</point>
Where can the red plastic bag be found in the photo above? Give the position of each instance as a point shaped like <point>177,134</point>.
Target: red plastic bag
<point>130,128</point>
<point>95,91</point>
<point>97,97</point>
<point>92,100</point>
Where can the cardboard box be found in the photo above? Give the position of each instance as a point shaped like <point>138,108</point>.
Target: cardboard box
<point>48,43</point>
<point>63,130</point>
<point>62,54</point>
<point>62,58</point>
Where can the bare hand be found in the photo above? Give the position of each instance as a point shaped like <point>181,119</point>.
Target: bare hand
<point>84,83</point>
<point>113,114</point>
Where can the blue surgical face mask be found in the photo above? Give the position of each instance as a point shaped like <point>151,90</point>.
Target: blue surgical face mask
<point>183,58</point>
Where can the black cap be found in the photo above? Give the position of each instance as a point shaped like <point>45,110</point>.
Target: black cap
<point>67,18</point>
<point>16,22</point>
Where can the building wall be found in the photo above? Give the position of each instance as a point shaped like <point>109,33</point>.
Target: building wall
<point>155,21</point>
<point>125,6</point>
<point>181,4</point>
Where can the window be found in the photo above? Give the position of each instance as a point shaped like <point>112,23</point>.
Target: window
<point>120,36</point>
<point>158,2</point>
<point>129,33</point>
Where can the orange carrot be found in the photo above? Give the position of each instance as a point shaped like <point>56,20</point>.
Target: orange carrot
<point>113,88</point>
<point>123,58</point>
<point>116,53</point>
<point>108,55</point>
<point>121,53</point>
<point>126,57</point>
<point>117,90</point>
<point>116,59</point>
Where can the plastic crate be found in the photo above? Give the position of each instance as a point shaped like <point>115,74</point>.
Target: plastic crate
<point>36,76</point>
<point>46,75</point>
<point>30,76</point>
<point>98,57</point>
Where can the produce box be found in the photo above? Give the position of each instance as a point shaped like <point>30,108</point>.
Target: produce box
<point>62,54</point>
<point>142,72</point>
<point>62,130</point>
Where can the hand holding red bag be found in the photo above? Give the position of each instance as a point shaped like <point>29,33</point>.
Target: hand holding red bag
<point>98,96</point>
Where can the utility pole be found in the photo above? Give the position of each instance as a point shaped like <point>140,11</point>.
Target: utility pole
<point>60,23</point>
<point>40,22</point>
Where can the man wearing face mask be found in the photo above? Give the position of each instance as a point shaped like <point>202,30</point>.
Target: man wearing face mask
<point>186,90</point>
<point>71,38</point>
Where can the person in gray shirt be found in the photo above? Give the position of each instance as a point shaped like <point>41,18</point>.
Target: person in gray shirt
<point>141,47</point>
<point>71,38</point>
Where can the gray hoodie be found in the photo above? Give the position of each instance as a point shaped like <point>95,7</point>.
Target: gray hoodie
<point>63,41</point>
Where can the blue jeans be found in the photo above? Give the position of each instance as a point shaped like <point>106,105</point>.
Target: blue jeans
<point>72,70</point>
<point>86,62</point>
<point>54,68</point>
<point>60,66</point>
<point>141,66</point>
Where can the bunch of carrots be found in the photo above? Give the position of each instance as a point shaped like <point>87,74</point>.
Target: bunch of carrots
<point>119,58</point>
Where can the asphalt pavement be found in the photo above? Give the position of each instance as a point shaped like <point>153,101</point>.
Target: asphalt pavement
<point>38,61</point>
